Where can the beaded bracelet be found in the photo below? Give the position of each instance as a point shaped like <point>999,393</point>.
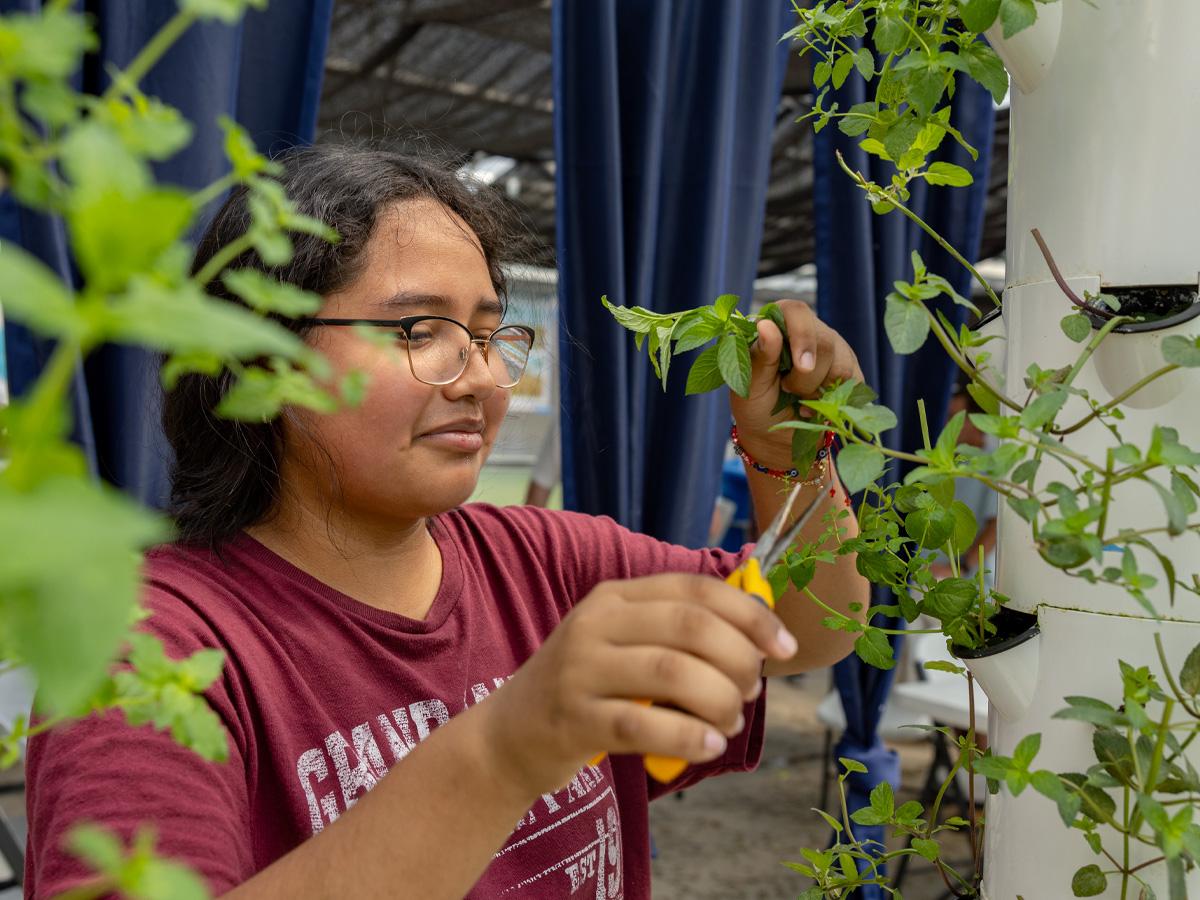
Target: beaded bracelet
<point>788,475</point>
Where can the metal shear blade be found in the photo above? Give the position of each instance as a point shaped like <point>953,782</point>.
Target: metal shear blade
<point>777,539</point>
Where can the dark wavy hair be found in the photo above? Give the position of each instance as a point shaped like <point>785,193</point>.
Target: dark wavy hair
<point>225,474</point>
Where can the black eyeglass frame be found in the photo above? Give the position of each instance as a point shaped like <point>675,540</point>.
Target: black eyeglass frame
<point>406,324</point>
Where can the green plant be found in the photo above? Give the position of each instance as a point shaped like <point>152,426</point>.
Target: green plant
<point>69,571</point>
<point>921,47</point>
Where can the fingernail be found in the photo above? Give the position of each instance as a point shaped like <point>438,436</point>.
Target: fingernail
<point>756,690</point>
<point>787,643</point>
<point>740,723</point>
<point>807,361</point>
<point>715,743</point>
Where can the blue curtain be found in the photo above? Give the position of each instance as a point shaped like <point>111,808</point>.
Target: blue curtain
<point>859,255</point>
<point>663,116</point>
<point>266,74</point>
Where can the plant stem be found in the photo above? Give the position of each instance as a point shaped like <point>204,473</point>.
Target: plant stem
<point>845,811</point>
<point>924,423</point>
<point>1119,399</point>
<point>1106,495</point>
<point>1162,658</point>
<point>150,54</point>
<point>223,257</point>
<point>1149,862</point>
<point>841,615</point>
<point>1104,331</point>
<point>941,241</point>
<point>1062,282</point>
<point>975,857</point>
<point>207,195</point>
<point>962,362</point>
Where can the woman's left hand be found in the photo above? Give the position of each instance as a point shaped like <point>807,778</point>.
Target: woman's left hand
<point>820,356</point>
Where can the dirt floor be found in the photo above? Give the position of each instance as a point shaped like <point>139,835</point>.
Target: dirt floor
<point>727,838</point>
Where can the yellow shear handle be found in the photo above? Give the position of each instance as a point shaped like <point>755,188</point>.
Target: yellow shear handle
<point>749,578</point>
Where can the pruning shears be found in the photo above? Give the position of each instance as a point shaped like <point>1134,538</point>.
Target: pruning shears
<point>751,577</point>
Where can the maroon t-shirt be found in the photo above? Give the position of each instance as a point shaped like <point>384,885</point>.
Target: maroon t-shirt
<point>322,695</point>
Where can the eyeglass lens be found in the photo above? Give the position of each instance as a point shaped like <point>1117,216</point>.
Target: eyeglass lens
<point>438,352</point>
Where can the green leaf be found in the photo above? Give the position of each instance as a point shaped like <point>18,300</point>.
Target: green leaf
<point>801,571</point>
<point>883,801</point>
<point>871,419</point>
<point>1189,675</point>
<point>829,820</point>
<point>906,324</point>
<point>965,526</point>
<point>52,102</point>
<point>242,153</point>
<point>259,394</point>
<point>1043,409</point>
<point>168,695</point>
<point>852,765</point>
<point>874,147</point>
<point>864,60</point>
<point>900,136</point>
<point>145,125</point>
<point>890,33</point>
<point>927,848</point>
<point>116,237</point>
<point>942,665</point>
<point>186,319</point>
<point>873,648</point>
<point>96,846</point>
<point>925,88</point>
<point>986,399</point>
<point>1027,507</point>
<point>698,331</point>
<point>821,73</point>
<point>705,374</point>
<point>985,67</point>
<point>1089,709</point>
<point>724,306</point>
<point>1016,16</point>
<point>1026,750</point>
<point>859,465</point>
<point>1181,351</point>
<point>633,318</point>
<point>951,599</point>
<point>857,120</point>
<point>930,526</point>
<point>69,580</point>
<point>978,15</point>
<point>948,174</point>
<point>32,294</point>
<point>49,44</point>
<point>841,69</point>
<point>733,360</point>
<point>1076,327</point>
<point>1089,881</point>
<point>265,294</point>
<point>139,873</point>
<point>778,579</point>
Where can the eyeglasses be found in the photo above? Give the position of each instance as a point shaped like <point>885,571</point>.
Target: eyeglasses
<point>439,348</point>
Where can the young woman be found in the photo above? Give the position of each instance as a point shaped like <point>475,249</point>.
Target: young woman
<point>416,690</point>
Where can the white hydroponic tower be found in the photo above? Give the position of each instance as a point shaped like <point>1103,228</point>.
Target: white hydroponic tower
<point>1104,162</point>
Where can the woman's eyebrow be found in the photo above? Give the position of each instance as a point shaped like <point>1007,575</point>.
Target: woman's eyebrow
<point>406,301</point>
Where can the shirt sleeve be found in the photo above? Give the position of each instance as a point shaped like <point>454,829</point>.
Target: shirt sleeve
<point>104,771</point>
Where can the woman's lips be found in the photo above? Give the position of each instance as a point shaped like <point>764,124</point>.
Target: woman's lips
<point>455,441</point>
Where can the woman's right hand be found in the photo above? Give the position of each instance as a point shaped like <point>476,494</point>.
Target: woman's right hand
<point>691,642</point>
